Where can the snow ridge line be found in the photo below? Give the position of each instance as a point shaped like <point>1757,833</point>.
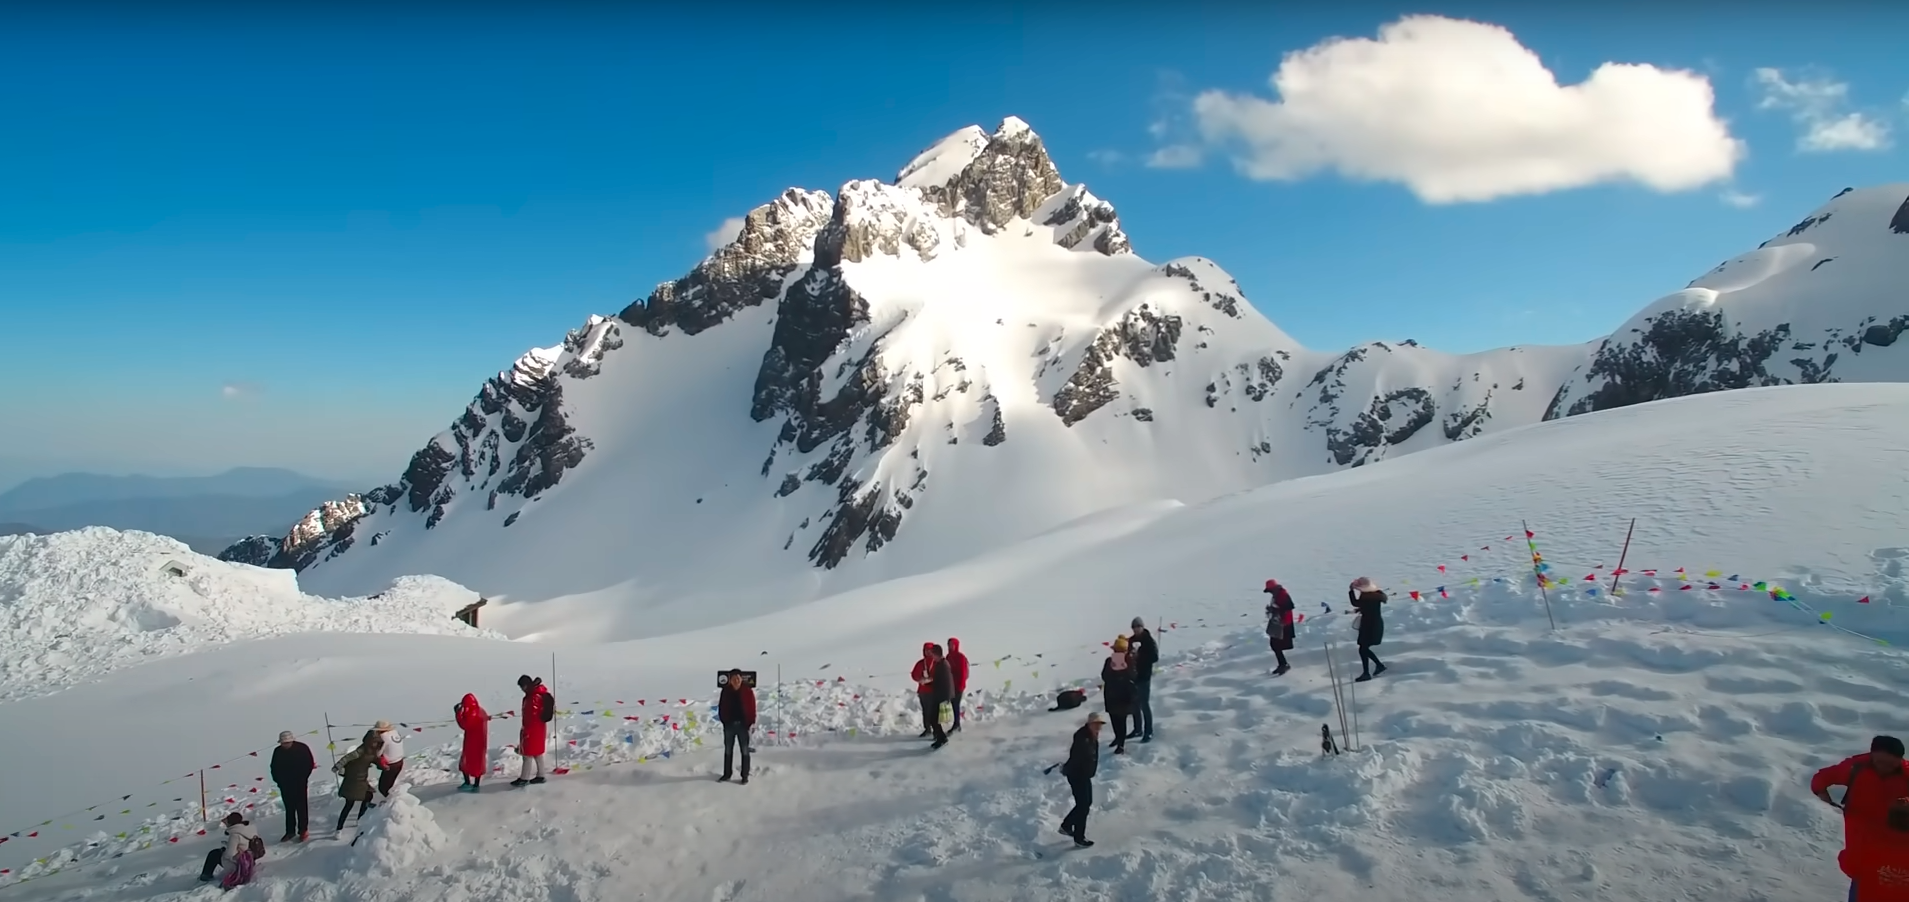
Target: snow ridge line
<point>880,712</point>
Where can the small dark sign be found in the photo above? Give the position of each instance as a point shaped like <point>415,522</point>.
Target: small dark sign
<point>748,678</point>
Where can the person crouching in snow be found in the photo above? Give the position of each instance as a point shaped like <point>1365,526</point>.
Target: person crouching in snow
<point>958,664</point>
<point>923,674</point>
<point>356,767</point>
<point>1279,624</point>
<point>1878,871</point>
<point>237,855</point>
<point>538,710</point>
<point>736,707</point>
<point>391,758</point>
<point>474,761</point>
<point>1367,600</point>
<point>1117,689</point>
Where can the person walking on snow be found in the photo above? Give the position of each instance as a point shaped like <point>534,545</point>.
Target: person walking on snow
<point>924,676</point>
<point>391,761</point>
<point>1083,762</point>
<point>236,855</point>
<point>1872,783</point>
<point>1367,600</point>
<point>1117,690</point>
<point>1279,624</point>
<point>355,767</point>
<point>942,684</point>
<point>292,766</point>
<point>1879,872</point>
<point>736,708</point>
<point>474,760</point>
<point>538,710</point>
<point>1146,653</point>
<point>958,663</point>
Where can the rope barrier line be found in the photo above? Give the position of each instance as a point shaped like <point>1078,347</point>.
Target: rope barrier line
<point>1481,565</point>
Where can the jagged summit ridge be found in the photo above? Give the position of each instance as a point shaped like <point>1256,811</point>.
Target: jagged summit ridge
<point>902,374</point>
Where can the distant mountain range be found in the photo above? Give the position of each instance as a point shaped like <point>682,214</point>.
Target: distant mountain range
<point>206,512</point>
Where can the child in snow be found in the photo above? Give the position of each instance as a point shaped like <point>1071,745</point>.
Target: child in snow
<point>475,759</point>
<point>236,855</point>
<point>1367,599</point>
<point>356,767</point>
<point>1279,624</point>
<point>1117,688</point>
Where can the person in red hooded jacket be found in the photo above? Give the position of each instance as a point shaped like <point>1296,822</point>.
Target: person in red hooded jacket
<point>1879,871</point>
<point>475,759</point>
<point>958,662</point>
<point>1279,624</point>
<point>924,676</point>
<point>536,713</point>
<point>1873,782</point>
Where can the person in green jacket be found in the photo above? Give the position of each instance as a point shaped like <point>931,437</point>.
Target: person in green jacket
<point>356,767</point>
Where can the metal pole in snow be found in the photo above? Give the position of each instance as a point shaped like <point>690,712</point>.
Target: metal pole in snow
<point>1619,573</point>
<point>203,816</point>
<point>1538,572</point>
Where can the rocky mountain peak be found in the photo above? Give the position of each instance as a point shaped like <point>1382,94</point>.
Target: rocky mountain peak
<point>988,180</point>
<point>775,238</point>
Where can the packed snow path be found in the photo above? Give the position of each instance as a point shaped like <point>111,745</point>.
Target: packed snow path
<point>1612,759</point>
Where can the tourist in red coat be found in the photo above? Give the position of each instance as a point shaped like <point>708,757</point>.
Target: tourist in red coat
<point>736,708</point>
<point>957,662</point>
<point>537,711</point>
<point>475,761</point>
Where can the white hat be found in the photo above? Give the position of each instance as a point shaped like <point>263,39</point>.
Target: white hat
<point>286,736</point>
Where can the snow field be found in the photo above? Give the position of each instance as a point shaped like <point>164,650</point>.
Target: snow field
<point>75,606</point>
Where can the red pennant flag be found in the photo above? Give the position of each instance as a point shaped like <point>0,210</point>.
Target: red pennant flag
<point>1441,568</point>
<point>682,701</point>
<point>1684,588</point>
<point>1464,557</point>
<point>619,701</point>
<point>1299,618</point>
<point>1590,577</point>
<point>573,742</point>
<point>1650,573</point>
<point>1530,535</point>
<point>1442,593</point>
<point>174,839</point>
<point>1654,590</point>
<point>1713,586</point>
<point>201,833</point>
<point>1509,538</point>
<point>255,754</point>
<point>639,701</point>
<point>1415,595</point>
<point>1863,600</point>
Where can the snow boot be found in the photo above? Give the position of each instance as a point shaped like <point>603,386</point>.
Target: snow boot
<point>1281,670</point>
<point>1363,678</point>
<point>743,782</point>
<point>1378,670</point>
<point>925,734</point>
<point>286,838</point>
<point>304,835</point>
<point>520,782</point>
<point>1082,841</point>
<point>937,744</point>
<point>723,779</point>
<point>536,780</point>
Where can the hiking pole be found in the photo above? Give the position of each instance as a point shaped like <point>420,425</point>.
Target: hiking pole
<point>1352,701</point>
<point>1050,768</point>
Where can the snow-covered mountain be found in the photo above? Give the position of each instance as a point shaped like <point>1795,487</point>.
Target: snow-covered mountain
<point>905,374</point>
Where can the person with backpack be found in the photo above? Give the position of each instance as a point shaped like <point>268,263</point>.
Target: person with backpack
<point>1117,690</point>
<point>538,710</point>
<point>1872,783</point>
<point>923,673</point>
<point>355,768</point>
<point>391,758</point>
<point>1879,871</point>
<point>292,766</point>
<point>473,761</point>
<point>242,849</point>
<point>958,664</point>
<point>1368,600</point>
<point>1279,624</point>
<point>736,708</point>
<point>1146,653</point>
<point>1083,762</point>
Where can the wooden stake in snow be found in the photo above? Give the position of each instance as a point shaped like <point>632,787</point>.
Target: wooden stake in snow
<point>1619,572</point>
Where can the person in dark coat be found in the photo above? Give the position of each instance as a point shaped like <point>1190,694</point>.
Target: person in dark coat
<point>1117,689</point>
<point>292,766</point>
<point>1145,650</point>
<point>356,767</point>
<point>958,663</point>
<point>736,707</point>
<point>1279,624</point>
<point>923,674</point>
<point>942,684</point>
<point>1083,762</point>
<point>1368,600</point>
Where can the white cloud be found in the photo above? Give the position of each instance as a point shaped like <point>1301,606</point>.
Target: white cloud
<point>233,391</point>
<point>724,233</point>
<point>1820,109</point>
<point>1106,157</point>
<point>1459,111</point>
<point>1739,199</point>
<point>1177,156</point>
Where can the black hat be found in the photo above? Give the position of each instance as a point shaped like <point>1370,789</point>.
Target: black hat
<point>1888,745</point>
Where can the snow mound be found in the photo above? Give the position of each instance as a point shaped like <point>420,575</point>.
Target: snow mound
<point>77,605</point>
<point>396,836</point>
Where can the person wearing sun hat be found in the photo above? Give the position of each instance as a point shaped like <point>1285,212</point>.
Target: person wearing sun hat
<point>391,759</point>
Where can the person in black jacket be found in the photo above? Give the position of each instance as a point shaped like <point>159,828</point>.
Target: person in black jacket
<point>1117,690</point>
<point>736,706</point>
<point>1083,762</point>
<point>943,683</point>
<point>1146,653</point>
<point>1367,600</point>
<point>292,766</point>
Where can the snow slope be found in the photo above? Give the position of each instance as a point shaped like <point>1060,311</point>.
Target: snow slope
<point>1655,745</point>
<point>77,605</point>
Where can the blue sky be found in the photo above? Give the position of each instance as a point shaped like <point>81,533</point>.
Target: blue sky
<point>303,238</point>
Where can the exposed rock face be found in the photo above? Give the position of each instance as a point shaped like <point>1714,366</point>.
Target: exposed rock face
<point>747,272</point>
<point>1679,352</point>
<point>1389,418</point>
<point>1143,336</point>
<point>254,550</point>
<point>1009,179</point>
<point>1225,299</point>
<point>1899,223</point>
<point>1081,218</point>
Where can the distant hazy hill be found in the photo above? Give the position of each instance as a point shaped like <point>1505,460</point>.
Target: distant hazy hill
<point>74,488</point>
<point>206,512</point>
